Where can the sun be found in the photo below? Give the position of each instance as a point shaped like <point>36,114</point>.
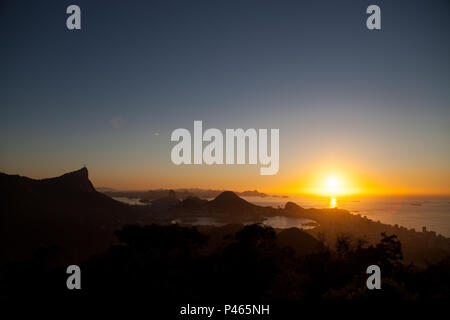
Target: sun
<point>332,182</point>
<point>333,186</point>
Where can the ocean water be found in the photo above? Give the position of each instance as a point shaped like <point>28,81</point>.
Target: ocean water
<point>432,212</point>
<point>131,201</point>
<point>412,212</point>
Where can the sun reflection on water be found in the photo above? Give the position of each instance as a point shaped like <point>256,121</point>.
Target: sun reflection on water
<point>333,203</point>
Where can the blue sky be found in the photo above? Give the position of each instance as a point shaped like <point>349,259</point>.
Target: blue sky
<point>376,102</point>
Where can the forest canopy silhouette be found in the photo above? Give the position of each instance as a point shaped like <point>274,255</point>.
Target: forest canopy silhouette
<point>171,263</point>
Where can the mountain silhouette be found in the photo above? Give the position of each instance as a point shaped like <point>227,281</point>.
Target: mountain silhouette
<point>229,200</point>
<point>77,181</point>
<point>19,192</point>
<point>227,206</point>
<point>65,211</point>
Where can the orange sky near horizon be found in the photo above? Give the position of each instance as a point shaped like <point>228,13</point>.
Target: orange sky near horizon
<point>302,171</point>
<point>303,180</point>
<point>311,181</point>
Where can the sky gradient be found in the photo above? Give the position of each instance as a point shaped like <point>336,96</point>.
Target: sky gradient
<point>371,107</point>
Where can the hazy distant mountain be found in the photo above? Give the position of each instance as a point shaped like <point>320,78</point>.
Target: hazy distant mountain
<point>105,189</point>
<point>166,202</point>
<point>149,195</point>
<point>252,193</point>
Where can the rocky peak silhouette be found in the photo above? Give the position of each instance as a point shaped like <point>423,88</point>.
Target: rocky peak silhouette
<point>77,180</point>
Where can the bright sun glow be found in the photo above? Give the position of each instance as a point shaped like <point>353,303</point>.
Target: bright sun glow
<point>332,182</point>
<point>333,186</point>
